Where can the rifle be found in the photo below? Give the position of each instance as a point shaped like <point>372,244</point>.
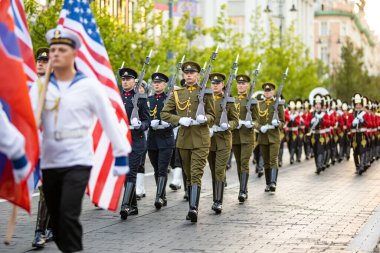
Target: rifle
<point>201,105</point>
<point>227,92</point>
<point>248,117</point>
<point>173,80</point>
<point>135,111</point>
<point>149,90</point>
<point>203,69</point>
<point>279,92</point>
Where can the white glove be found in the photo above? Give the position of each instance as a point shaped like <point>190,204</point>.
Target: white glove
<point>292,117</point>
<point>275,123</point>
<point>248,124</point>
<point>313,120</point>
<point>241,122</point>
<point>319,116</point>
<point>185,121</point>
<point>21,168</point>
<point>360,117</point>
<point>154,123</point>
<point>224,126</point>
<point>165,124</point>
<point>355,122</point>
<point>201,119</point>
<point>264,129</point>
<point>211,132</point>
<point>136,123</point>
<point>121,166</point>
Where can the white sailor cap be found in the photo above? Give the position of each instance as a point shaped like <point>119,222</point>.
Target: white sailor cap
<point>62,35</point>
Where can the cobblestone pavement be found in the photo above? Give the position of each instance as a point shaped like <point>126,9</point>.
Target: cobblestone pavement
<point>336,211</point>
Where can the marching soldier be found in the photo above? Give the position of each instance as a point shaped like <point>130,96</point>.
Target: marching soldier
<point>193,140</point>
<point>335,131</point>
<point>346,144</point>
<point>221,140</point>
<point>269,135</point>
<point>292,129</point>
<point>358,120</point>
<point>67,148</point>
<point>243,137</point>
<point>301,130</point>
<point>283,135</point>
<point>326,109</point>
<point>44,231</point>
<point>160,138</point>
<point>128,76</point>
<point>318,129</point>
<point>307,116</point>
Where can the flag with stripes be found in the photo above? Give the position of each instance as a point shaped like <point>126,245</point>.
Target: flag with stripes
<point>92,59</point>
<point>15,100</point>
<point>24,40</point>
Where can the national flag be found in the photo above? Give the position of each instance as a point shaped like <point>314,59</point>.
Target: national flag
<point>16,103</point>
<point>24,40</point>
<point>104,188</point>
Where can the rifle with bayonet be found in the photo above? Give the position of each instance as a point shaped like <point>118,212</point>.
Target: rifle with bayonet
<point>278,96</point>
<point>248,117</point>
<point>201,105</point>
<point>227,92</point>
<point>203,69</point>
<point>135,111</point>
<point>150,90</point>
<point>173,80</point>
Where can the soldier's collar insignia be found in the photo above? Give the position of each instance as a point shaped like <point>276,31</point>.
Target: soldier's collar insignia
<point>191,88</point>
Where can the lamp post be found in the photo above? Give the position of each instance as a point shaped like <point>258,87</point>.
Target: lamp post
<point>280,13</point>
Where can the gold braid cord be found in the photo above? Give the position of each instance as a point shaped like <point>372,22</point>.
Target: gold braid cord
<point>262,113</point>
<point>153,112</point>
<point>181,105</point>
<point>237,105</point>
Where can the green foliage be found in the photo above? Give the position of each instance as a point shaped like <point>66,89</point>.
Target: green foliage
<point>351,76</point>
<point>150,30</point>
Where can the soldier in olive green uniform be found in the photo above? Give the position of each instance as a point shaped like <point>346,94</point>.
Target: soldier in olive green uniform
<point>243,136</point>
<point>221,140</point>
<point>193,138</point>
<point>269,136</point>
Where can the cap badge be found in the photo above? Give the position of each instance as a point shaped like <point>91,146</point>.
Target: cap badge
<point>57,34</point>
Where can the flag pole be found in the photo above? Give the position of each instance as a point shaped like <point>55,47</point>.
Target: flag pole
<point>42,95</point>
<point>11,226</point>
<point>40,106</point>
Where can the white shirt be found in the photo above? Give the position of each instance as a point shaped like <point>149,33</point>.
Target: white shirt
<point>72,107</point>
<point>12,142</point>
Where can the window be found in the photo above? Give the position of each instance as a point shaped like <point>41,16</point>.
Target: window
<point>325,55</point>
<point>324,30</point>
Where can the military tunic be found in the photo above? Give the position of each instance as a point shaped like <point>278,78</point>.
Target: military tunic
<point>270,141</point>
<point>139,144</point>
<point>221,141</point>
<point>243,139</point>
<point>160,141</point>
<point>193,142</point>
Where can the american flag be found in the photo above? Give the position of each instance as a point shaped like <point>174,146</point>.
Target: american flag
<point>76,15</point>
<point>24,40</point>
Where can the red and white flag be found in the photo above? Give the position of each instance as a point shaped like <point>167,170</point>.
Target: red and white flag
<point>104,188</point>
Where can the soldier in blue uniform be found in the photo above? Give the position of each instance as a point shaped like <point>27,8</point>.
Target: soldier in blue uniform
<point>160,138</point>
<point>139,145</point>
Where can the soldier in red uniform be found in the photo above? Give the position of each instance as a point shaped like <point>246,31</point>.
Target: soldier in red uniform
<point>326,108</point>
<point>292,129</point>
<point>307,116</point>
<point>301,130</point>
<point>358,121</point>
<point>319,124</point>
<point>335,131</point>
<point>345,147</point>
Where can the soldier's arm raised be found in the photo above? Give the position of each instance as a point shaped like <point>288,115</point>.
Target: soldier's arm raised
<point>210,109</point>
<point>167,112</point>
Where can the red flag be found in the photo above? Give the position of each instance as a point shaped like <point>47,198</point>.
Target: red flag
<point>15,99</point>
<point>103,188</point>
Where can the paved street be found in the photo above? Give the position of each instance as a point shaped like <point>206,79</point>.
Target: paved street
<point>336,211</point>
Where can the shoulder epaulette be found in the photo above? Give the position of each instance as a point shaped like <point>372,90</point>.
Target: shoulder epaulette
<point>209,91</point>
<point>231,100</point>
<point>143,96</point>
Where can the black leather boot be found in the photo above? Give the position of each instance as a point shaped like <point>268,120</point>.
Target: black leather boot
<point>243,193</point>
<point>267,174</point>
<point>129,203</point>
<point>194,202</point>
<point>292,151</point>
<point>273,182</point>
<point>319,163</point>
<point>217,206</point>
<point>160,195</point>
<point>188,192</point>
<point>185,187</point>
<point>362,160</point>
